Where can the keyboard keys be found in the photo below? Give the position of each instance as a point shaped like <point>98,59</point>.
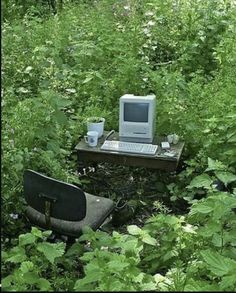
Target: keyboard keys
<point>129,147</point>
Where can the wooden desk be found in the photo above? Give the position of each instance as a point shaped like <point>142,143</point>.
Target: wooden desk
<point>159,161</point>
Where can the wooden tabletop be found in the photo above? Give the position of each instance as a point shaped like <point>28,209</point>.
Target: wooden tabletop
<point>157,161</point>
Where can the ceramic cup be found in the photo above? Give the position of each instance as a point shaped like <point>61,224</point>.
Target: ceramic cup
<point>91,138</point>
<point>170,138</point>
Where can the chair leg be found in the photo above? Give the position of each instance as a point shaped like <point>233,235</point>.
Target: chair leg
<point>103,226</point>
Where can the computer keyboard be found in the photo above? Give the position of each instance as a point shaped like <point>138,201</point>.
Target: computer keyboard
<point>129,147</point>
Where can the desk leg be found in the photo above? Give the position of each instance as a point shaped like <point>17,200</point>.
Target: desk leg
<point>81,166</point>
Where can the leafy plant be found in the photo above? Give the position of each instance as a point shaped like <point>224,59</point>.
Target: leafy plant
<point>95,119</point>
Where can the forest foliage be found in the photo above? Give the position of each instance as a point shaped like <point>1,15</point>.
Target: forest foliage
<point>60,67</point>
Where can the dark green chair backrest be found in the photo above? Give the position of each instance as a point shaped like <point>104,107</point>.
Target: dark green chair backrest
<point>67,202</point>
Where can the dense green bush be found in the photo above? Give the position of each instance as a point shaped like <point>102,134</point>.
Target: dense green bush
<point>59,69</point>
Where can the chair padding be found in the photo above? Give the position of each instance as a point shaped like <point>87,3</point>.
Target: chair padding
<point>70,202</point>
<point>98,209</point>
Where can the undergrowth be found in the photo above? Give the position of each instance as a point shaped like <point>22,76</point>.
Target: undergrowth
<point>59,69</point>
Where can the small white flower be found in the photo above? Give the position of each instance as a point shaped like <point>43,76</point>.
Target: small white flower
<point>151,23</point>
<point>127,7</point>
<point>146,30</point>
<point>14,216</point>
<point>104,248</point>
<point>149,13</point>
<point>131,178</point>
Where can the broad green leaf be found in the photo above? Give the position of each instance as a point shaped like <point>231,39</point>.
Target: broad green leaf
<point>129,245</point>
<point>36,232</point>
<point>46,233</point>
<point>200,286</point>
<point>87,256</point>
<point>139,278</point>
<point>202,208</point>
<point>226,177</point>
<point>75,250</point>
<point>27,238</point>
<point>228,283</point>
<point>26,266</point>
<point>117,265</point>
<point>150,286</point>
<point>60,117</point>
<point>91,277</point>
<point>215,165</point>
<point>7,282</point>
<point>211,228</point>
<point>17,255</point>
<point>146,238</point>
<point>62,102</point>
<point>51,250</point>
<point>44,285</point>
<point>217,240</point>
<point>134,230</point>
<point>218,264</point>
<point>203,180</point>
<point>31,278</point>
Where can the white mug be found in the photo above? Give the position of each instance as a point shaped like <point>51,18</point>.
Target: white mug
<point>170,138</point>
<point>91,138</point>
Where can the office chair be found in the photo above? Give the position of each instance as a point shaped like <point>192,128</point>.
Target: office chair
<point>62,207</point>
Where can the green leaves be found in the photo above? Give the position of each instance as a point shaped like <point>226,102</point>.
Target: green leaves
<point>26,266</point>
<point>202,208</point>
<point>226,177</point>
<point>200,181</point>
<point>218,264</point>
<point>144,236</point>
<point>27,238</point>
<point>16,255</point>
<point>51,250</point>
<point>116,265</point>
<point>134,230</point>
<point>214,165</point>
<point>85,59</point>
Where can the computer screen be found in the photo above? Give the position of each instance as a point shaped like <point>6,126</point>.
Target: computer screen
<point>136,112</point>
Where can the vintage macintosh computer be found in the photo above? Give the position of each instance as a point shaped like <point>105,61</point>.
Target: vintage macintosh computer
<point>137,121</point>
<point>137,118</point>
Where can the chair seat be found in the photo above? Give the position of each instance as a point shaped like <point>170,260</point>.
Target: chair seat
<point>98,209</point>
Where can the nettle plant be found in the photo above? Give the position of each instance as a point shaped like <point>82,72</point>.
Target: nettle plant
<point>216,220</point>
<point>196,252</point>
<point>36,264</point>
<point>113,261</point>
<point>197,180</point>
